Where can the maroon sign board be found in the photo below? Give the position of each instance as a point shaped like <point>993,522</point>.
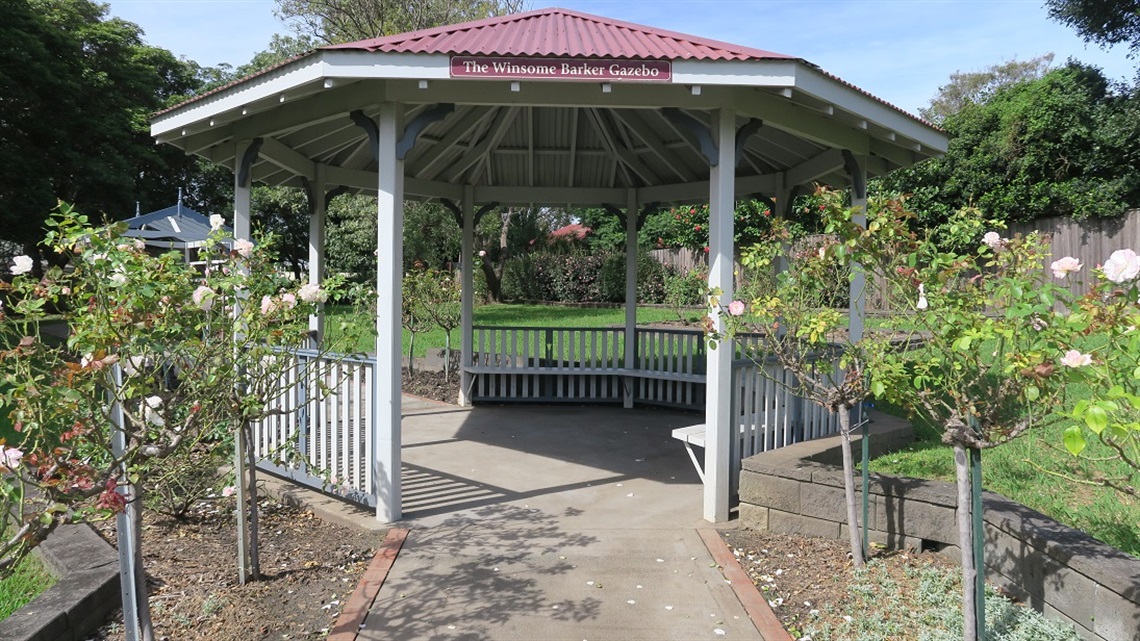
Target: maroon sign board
<point>597,70</point>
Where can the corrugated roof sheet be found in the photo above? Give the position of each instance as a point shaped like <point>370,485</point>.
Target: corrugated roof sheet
<point>559,32</point>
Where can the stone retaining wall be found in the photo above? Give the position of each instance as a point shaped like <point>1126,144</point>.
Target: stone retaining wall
<point>1059,571</point>
<point>87,590</point>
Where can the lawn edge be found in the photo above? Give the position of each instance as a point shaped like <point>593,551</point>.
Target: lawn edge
<point>352,617</point>
<point>766,622</point>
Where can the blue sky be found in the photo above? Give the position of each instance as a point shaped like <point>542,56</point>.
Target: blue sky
<point>899,50</point>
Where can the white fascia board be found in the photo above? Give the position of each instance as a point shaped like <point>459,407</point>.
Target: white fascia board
<point>854,101</point>
<point>371,64</point>
<point>274,83</point>
<point>739,73</point>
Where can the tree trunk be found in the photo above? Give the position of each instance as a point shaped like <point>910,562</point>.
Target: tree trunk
<point>966,544</point>
<point>251,494</point>
<point>411,353</point>
<point>447,355</point>
<point>494,283</point>
<point>849,487</point>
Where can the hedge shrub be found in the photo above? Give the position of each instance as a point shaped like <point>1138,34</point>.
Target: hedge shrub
<point>581,278</point>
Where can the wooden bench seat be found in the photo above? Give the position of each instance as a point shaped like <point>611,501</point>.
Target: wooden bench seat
<point>692,436</point>
<point>585,371</point>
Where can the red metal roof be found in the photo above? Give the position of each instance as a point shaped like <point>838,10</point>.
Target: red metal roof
<point>559,32</point>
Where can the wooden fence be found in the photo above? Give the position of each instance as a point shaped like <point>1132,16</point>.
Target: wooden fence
<point>1092,241</point>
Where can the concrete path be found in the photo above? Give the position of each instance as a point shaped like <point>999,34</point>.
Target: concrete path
<point>548,523</point>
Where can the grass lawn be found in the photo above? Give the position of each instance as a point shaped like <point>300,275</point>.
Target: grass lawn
<point>1020,470</point>
<point>6,432</point>
<point>505,315</point>
<point>29,579</point>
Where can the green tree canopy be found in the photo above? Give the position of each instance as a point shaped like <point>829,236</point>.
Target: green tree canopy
<point>1064,144</point>
<point>336,21</point>
<point>1105,22</point>
<point>974,87</point>
<point>76,89</point>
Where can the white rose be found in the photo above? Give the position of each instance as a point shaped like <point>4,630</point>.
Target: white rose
<point>22,265</point>
<point>312,293</point>
<point>1073,358</point>
<point>217,222</point>
<point>1123,265</point>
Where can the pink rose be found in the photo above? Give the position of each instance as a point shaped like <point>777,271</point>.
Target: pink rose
<point>243,247</point>
<point>1073,358</point>
<point>203,297</point>
<point>1065,266</point>
<point>736,308</point>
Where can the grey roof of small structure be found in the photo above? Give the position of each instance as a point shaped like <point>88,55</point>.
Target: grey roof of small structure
<point>176,227</point>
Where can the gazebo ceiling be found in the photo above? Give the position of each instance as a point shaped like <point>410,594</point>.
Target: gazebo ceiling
<point>551,140</point>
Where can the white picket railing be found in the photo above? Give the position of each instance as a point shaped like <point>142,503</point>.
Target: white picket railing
<point>768,415</point>
<point>325,442</point>
<point>540,364</point>
<point>546,364</point>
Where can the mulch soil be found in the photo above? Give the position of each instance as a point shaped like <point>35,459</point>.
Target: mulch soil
<point>309,568</point>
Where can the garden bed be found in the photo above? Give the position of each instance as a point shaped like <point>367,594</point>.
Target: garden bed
<point>309,569</point>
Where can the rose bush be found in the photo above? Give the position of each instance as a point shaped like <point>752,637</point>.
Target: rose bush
<point>146,347</point>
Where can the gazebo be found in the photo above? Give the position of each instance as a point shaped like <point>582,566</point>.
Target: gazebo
<point>174,228</point>
<point>548,107</point>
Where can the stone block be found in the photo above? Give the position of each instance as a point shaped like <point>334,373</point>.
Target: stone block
<point>1075,595</point>
<point>753,517</point>
<point>935,492</point>
<point>786,523</point>
<point>88,589</point>
<point>41,620</point>
<point>890,541</point>
<point>783,467</point>
<point>1115,617</point>
<point>770,491</point>
<point>1053,614</point>
<point>824,502</point>
<point>915,519</point>
<point>828,475</point>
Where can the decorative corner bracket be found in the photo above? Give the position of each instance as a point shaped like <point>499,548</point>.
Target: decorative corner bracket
<point>699,131</point>
<point>479,213</point>
<point>645,211</point>
<point>615,211</point>
<point>458,213</point>
<point>414,128</point>
<point>369,126</point>
<point>310,195</point>
<point>333,193</point>
<point>858,178</point>
<point>245,165</point>
<point>641,216</point>
<point>743,134</point>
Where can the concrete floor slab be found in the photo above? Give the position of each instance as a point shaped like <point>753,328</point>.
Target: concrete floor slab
<point>550,523</point>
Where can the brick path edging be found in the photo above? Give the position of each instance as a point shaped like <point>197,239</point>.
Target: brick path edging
<point>351,618</point>
<point>766,622</point>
